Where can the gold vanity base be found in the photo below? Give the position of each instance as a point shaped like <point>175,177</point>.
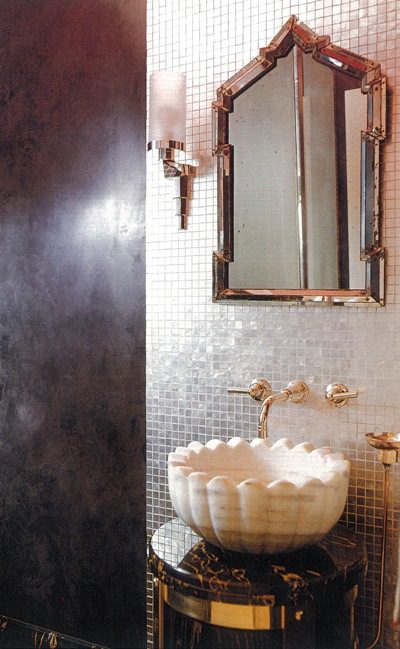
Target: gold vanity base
<point>186,621</point>
<point>182,613</point>
<point>232,616</point>
<point>206,598</point>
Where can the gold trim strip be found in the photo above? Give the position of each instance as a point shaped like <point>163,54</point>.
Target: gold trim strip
<point>233,616</point>
<point>160,615</point>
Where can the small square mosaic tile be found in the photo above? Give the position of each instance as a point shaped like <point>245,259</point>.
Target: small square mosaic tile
<point>196,349</point>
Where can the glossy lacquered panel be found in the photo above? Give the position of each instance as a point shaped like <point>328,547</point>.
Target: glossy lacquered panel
<point>72,124</point>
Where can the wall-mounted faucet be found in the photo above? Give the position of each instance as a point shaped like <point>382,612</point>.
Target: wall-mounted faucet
<point>261,390</point>
<point>295,391</point>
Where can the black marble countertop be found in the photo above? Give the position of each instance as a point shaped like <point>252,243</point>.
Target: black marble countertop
<point>187,563</point>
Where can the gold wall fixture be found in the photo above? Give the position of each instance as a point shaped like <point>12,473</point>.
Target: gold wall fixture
<point>338,394</point>
<point>260,389</point>
<point>167,133</point>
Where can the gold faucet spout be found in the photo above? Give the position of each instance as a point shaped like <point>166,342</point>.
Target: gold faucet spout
<point>295,391</point>
<point>273,398</point>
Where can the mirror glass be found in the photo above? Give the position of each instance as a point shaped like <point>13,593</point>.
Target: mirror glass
<point>298,168</point>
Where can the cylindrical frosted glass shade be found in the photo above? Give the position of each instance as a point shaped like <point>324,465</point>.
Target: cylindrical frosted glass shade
<point>167,107</point>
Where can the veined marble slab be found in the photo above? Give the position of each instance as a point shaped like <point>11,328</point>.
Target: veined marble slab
<point>258,497</point>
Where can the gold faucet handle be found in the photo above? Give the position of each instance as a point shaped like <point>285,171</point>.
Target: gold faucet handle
<point>338,394</point>
<point>297,391</point>
<point>259,389</point>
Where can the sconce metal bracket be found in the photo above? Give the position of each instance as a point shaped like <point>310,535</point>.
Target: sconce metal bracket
<point>183,171</point>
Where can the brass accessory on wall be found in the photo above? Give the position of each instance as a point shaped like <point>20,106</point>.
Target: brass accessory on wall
<point>338,394</point>
<point>297,135</point>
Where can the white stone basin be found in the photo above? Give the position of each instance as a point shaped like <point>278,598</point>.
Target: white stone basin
<point>259,497</point>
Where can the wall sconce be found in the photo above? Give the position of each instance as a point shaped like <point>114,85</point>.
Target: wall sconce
<point>167,132</point>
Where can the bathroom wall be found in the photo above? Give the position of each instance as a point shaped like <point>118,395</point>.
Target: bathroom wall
<point>72,363</point>
<point>197,349</point>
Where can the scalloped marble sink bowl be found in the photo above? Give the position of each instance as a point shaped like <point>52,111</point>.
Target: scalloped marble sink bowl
<point>258,497</point>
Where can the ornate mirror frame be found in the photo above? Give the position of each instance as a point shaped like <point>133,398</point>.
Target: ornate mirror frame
<point>373,84</point>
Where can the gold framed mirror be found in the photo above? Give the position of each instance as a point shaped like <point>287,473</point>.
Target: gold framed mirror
<point>297,135</point>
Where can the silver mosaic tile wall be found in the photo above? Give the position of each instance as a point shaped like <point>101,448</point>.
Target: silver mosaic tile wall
<point>196,349</point>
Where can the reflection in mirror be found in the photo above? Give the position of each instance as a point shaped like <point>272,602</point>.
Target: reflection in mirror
<point>298,190</point>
